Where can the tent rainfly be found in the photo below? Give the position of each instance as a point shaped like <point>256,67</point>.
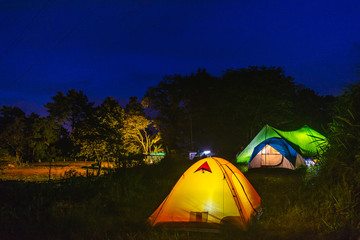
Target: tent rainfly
<point>283,149</point>
<point>211,192</point>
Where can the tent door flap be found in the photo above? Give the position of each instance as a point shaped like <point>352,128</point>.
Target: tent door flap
<point>198,216</point>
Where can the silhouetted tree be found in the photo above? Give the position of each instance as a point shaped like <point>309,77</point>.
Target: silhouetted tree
<point>13,136</point>
<point>46,133</point>
<point>74,107</point>
<point>312,109</point>
<point>69,110</point>
<point>134,107</point>
<point>168,101</point>
<point>223,113</point>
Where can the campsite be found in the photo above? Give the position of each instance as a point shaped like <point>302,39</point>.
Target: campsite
<point>184,120</point>
<point>115,206</point>
<point>112,172</point>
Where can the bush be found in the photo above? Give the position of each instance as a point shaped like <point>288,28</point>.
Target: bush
<point>340,166</point>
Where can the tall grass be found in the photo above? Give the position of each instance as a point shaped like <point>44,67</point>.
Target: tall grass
<point>336,182</point>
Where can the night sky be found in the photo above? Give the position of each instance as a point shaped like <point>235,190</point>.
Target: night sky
<point>120,48</point>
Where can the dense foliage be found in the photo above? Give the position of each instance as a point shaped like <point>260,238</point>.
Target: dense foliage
<point>224,113</point>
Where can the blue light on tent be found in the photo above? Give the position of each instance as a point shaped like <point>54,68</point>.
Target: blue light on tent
<point>279,145</point>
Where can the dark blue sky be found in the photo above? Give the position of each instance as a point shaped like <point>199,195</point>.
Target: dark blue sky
<point>120,48</point>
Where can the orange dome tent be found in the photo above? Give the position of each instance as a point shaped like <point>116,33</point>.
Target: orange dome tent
<point>211,191</point>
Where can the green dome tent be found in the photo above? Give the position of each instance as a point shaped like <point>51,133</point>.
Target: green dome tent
<point>285,149</point>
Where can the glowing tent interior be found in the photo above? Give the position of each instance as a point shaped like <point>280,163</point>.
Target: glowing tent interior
<point>284,149</point>
<point>211,191</point>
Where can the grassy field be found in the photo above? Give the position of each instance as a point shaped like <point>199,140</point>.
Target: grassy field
<point>45,171</point>
<point>52,171</point>
<point>116,206</point>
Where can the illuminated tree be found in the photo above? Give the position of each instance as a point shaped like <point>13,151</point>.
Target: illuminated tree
<point>138,138</point>
<point>140,133</point>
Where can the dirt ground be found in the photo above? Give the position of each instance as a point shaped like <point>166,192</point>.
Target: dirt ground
<point>44,171</point>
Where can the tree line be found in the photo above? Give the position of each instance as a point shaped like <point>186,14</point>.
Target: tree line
<point>224,113</point>
<point>76,130</point>
<point>188,113</point>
